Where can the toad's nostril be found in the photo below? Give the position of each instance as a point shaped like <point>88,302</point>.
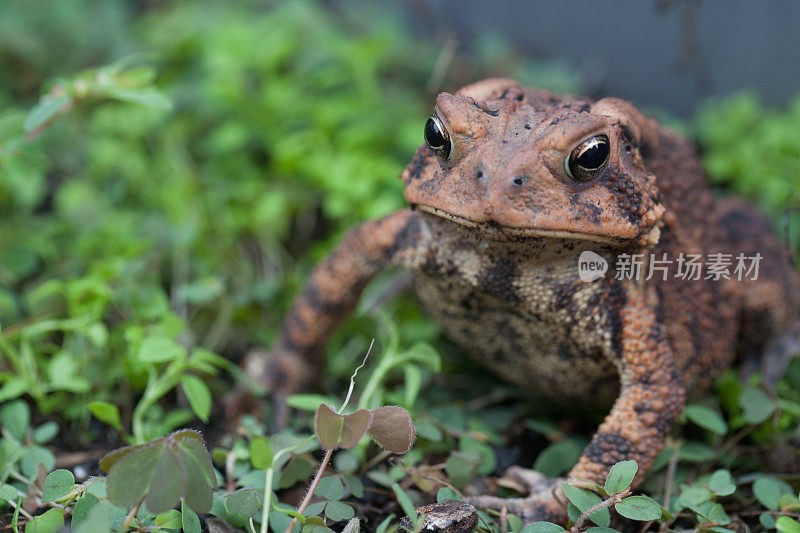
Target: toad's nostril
<point>518,180</point>
<point>479,174</point>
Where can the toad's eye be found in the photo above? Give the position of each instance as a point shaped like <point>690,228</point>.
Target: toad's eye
<point>588,158</point>
<point>437,138</point>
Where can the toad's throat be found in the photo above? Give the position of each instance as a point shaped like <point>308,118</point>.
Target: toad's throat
<point>513,232</point>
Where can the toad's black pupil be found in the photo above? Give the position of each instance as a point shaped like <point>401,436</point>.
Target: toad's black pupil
<point>433,135</point>
<point>594,155</point>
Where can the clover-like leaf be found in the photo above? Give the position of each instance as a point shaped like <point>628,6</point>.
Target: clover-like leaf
<point>161,472</point>
<point>328,425</point>
<point>392,428</point>
<point>620,476</point>
<point>244,502</point>
<point>168,481</point>
<point>355,426</point>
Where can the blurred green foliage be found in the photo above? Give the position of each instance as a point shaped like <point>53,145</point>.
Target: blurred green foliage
<point>753,149</point>
<point>125,220</point>
<point>171,171</point>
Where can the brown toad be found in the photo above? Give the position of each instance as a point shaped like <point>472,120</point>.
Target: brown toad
<point>511,187</point>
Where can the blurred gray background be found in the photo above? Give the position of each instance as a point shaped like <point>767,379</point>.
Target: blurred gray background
<point>666,53</point>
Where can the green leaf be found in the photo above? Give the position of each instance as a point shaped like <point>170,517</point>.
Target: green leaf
<point>639,508</point>
<point>131,474</point>
<point>461,467</point>
<point>168,482</point>
<point>58,483</point>
<point>620,476</point>
<point>768,492</point>
<point>785,524</point>
<point>446,493</point>
<point>13,388</point>
<point>392,428</point>
<point>198,395</point>
<point>328,425</point>
<point>767,520</point>
<point>90,515</point>
<point>15,417</point>
<point>49,522</point>
<point>48,108</point>
<point>308,402</point>
<point>147,97</point>
<point>7,492</point>
<point>260,453</point>
<point>757,406</point>
<point>721,483</point>
<point>583,499</point>
<point>160,350</point>
<point>559,457</point>
<point>169,519</point>
<point>696,452</point>
<point>706,418</point>
<point>200,476</point>
<point>405,502</point>
<point>330,487</point>
<point>542,527</point>
<point>694,495</point>
<point>353,485</point>
<point>315,508</point>
<point>338,511</point>
<point>106,412</point>
<point>45,432</point>
<point>189,520</point>
<point>244,502</point>
<point>718,515</point>
<point>32,457</point>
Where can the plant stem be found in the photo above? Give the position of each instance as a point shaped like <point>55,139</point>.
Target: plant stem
<point>311,489</point>
<point>268,483</point>
<point>131,515</point>
<point>616,498</point>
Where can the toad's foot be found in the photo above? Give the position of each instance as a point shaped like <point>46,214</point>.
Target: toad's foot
<point>545,500</point>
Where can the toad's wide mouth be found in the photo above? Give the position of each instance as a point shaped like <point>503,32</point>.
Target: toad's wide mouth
<point>509,232</point>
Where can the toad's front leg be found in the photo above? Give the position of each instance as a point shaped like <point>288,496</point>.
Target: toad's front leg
<point>331,294</point>
<point>651,397</point>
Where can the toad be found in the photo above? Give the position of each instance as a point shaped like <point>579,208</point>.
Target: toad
<point>513,193</point>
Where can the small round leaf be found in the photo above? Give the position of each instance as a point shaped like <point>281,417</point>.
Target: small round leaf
<point>620,476</point>
<point>639,508</point>
<point>58,483</point>
<point>392,428</point>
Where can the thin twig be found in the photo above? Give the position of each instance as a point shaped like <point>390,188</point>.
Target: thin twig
<point>671,467</point>
<point>614,499</point>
